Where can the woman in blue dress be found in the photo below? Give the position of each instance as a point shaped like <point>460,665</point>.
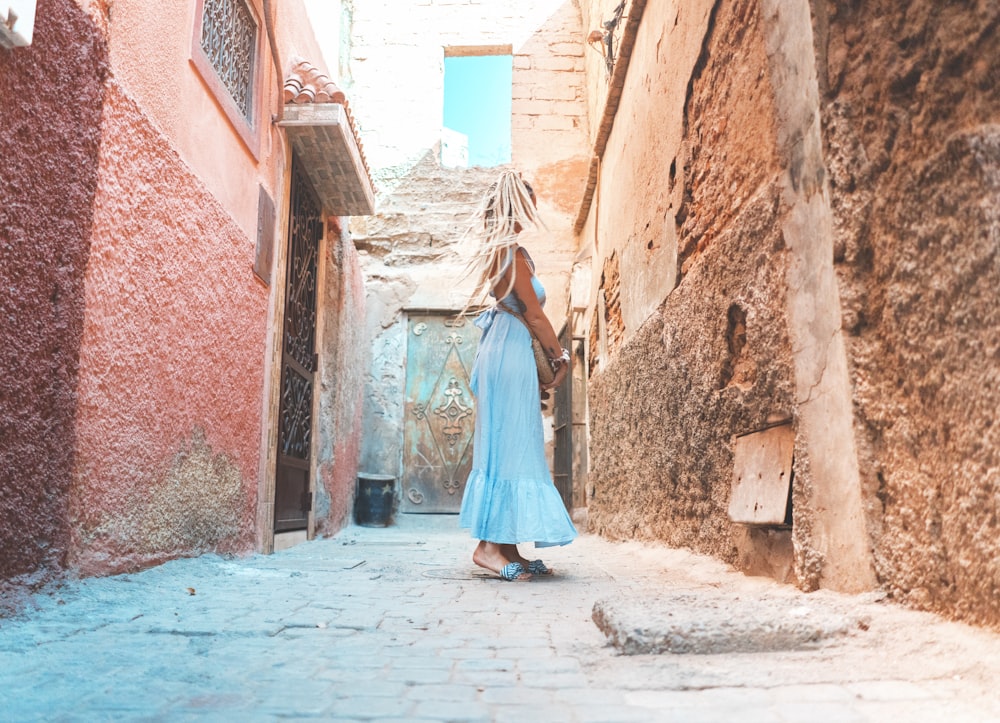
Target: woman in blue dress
<point>509,497</point>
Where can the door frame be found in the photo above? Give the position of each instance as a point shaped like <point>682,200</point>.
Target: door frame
<point>271,398</point>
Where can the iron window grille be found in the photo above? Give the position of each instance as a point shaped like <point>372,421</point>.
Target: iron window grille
<point>226,51</point>
<point>229,39</point>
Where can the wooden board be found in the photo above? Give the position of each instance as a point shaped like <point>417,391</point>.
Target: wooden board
<point>762,473</point>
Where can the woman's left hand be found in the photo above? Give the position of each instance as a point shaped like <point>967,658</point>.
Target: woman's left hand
<point>561,371</point>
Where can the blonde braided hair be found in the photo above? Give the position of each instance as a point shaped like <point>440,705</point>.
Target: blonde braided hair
<point>506,207</point>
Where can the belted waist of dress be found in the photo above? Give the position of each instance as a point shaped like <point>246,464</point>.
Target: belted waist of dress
<point>485,320</point>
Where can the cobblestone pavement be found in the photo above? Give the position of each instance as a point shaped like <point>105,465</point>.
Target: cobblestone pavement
<point>397,624</point>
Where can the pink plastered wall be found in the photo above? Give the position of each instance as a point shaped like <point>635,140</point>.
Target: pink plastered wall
<point>171,361</point>
<point>50,114</point>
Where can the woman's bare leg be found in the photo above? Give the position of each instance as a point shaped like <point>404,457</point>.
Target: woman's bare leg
<point>511,553</point>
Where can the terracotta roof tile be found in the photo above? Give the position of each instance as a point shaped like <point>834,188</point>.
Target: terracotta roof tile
<point>308,84</point>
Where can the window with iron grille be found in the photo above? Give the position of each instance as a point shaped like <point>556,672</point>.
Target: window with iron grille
<point>229,41</point>
<point>226,51</point>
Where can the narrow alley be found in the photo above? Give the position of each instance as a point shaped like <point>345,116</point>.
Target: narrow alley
<point>397,624</point>
<point>264,264</point>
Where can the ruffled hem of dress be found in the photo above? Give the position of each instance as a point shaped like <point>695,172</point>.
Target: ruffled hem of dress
<point>515,511</point>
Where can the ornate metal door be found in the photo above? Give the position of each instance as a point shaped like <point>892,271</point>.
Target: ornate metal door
<point>440,413</point>
<point>292,497</point>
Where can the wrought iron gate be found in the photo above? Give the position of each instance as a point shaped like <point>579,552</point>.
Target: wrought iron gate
<point>292,497</point>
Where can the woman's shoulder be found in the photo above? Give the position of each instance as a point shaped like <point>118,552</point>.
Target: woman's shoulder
<point>523,252</point>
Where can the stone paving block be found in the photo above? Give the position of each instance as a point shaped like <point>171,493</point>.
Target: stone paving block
<point>34,706</point>
<point>470,712</point>
<point>555,681</point>
<point>367,707</point>
<point>291,697</point>
<point>822,692</point>
<point>418,676</point>
<point>661,699</point>
<point>376,688</point>
<point>423,661</point>
<point>723,697</point>
<point>541,652</point>
<point>590,696</point>
<point>521,712</point>
<point>467,653</point>
<point>508,641</point>
<point>486,678</point>
<point>211,701</point>
<point>484,664</point>
<point>826,711</point>
<point>742,715</point>
<point>889,690</point>
<point>449,692</point>
<point>352,679</point>
<point>342,671</point>
<point>620,714</point>
<point>554,664</point>
<point>924,711</point>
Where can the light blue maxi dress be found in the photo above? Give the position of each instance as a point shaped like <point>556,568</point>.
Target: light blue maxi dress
<point>509,496</point>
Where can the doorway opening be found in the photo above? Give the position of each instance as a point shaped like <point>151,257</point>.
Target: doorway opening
<point>477,106</point>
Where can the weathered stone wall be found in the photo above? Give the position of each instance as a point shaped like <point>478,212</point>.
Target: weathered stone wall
<point>718,186</point>
<point>911,104</point>
<point>134,411</point>
<point>412,250</point>
<point>345,354</point>
<point>50,117</point>
<point>853,153</point>
<point>664,411</point>
<point>713,360</point>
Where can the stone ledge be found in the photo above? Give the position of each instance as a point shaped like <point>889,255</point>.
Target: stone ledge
<point>700,623</point>
<point>322,137</point>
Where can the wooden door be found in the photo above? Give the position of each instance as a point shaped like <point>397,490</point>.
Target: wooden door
<point>439,413</point>
<point>292,494</point>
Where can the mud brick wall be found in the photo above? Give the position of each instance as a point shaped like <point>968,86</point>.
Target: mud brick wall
<point>902,195</point>
<point>713,360</point>
<point>664,411</point>
<point>911,102</point>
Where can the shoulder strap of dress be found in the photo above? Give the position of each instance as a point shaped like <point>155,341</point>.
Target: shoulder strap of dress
<point>527,257</point>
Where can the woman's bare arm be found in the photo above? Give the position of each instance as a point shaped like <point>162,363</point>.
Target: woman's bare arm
<point>533,314</point>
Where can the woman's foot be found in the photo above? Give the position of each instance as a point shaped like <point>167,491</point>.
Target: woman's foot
<point>534,567</point>
<point>489,555</point>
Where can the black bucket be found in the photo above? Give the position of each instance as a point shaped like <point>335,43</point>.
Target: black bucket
<point>374,500</point>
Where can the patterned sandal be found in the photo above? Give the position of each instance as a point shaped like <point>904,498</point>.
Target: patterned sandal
<point>537,567</point>
<point>512,571</point>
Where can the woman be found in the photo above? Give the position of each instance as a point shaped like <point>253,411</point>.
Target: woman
<point>509,497</point>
